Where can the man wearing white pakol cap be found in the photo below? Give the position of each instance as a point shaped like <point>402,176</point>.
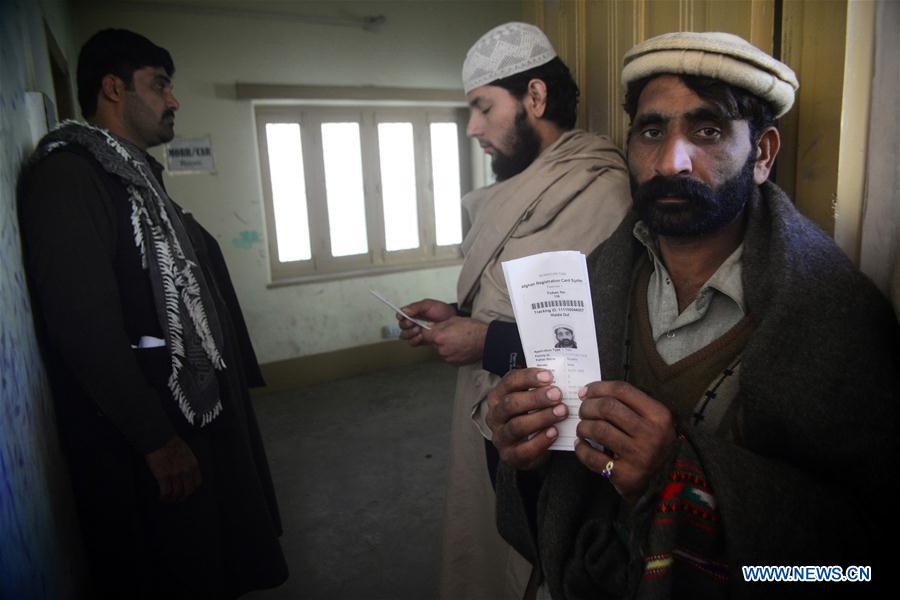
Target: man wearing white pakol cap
<point>558,188</point>
<point>748,415</point>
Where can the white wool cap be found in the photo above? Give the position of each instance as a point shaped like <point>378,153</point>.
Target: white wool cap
<point>717,55</point>
<point>503,51</point>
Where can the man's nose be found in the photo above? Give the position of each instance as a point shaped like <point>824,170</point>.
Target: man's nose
<point>172,102</point>
<point>474,127</point>
<point>675,157</point>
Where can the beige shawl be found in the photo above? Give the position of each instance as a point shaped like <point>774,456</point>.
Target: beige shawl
<point>571,197</point>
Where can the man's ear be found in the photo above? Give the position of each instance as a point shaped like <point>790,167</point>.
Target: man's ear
<point>112,88</point>
<point>766,150</point>
<point>537,97</point>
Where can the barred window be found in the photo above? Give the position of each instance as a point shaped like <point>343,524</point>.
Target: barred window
<point>362,189</point>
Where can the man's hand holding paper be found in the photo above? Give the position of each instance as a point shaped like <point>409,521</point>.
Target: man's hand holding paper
<point>637,432</point>
<point>432,311</point>
<point>523,411</point>
<point>551,301</point>
<point>458,340</point>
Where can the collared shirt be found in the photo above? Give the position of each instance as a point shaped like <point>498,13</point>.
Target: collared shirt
<point>719,305</point>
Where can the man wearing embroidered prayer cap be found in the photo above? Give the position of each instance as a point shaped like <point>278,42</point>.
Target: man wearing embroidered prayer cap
<point>748,413</point>
<point>558,188</point>
<point>145,347</point>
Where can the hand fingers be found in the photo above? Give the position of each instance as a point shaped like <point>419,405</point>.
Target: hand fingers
<point>627,394</point>
<point>192,481</point>
<point>604,432</point>
<point>428,334</point>
<point>596,460</point>
<point>177,489</point>
<point>523,426</point>
<point>404,322</point>
<point>185,480</point>
<point>632,426</point>
<point>520,403</point>
<point>412,335</point>
<point>165,489</point>
<point>442,337</point>
<point>407,310</point>
<point>526,454</point>
<point>523,379</point>
<point>416,308</point>
<point>408,332</point>
<point>514,382</point>
<point>611,410</point>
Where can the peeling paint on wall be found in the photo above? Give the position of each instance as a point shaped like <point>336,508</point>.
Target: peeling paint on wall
<point>246,239</point>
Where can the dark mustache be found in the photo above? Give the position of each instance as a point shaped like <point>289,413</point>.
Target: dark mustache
<point>169,113</point>
<point>662,186</point>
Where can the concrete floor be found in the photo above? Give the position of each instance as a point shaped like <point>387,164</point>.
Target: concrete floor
<point>360,470</point>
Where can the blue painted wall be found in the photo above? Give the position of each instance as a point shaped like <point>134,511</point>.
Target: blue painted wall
<point>39,552</point>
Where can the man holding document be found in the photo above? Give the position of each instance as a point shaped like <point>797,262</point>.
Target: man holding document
<point>747,413</point>
<point>558,188</point>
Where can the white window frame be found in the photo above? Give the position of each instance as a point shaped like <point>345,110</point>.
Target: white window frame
<point>323,265</point>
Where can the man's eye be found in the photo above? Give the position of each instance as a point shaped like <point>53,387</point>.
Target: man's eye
<point>485,111</point>
<point>709,132</point>
<point>651,134</point>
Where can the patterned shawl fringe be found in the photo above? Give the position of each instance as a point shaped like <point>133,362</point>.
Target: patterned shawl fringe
<point>184,298</point>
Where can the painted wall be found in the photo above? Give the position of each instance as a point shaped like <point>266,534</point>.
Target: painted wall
<point>39,554</point>
<point>422,44</point>
<point>880,246</point>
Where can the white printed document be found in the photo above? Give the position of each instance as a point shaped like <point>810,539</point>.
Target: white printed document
<point>551,300</point>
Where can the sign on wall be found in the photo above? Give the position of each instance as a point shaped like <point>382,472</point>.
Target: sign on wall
<point>193,155</point>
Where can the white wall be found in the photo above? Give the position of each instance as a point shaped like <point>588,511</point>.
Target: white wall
<point>422,44</point>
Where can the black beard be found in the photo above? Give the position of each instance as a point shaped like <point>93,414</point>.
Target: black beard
<point>525,146</point>
<point>706,209</point>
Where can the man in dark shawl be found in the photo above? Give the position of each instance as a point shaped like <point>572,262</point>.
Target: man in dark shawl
<point>146,349</point>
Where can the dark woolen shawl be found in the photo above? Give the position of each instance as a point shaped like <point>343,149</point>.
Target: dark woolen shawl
<point>811,482</point>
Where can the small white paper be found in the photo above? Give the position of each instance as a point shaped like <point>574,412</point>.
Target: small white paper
<point>148,341</point>
<point>419,322</point>
<point>551,301</point>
